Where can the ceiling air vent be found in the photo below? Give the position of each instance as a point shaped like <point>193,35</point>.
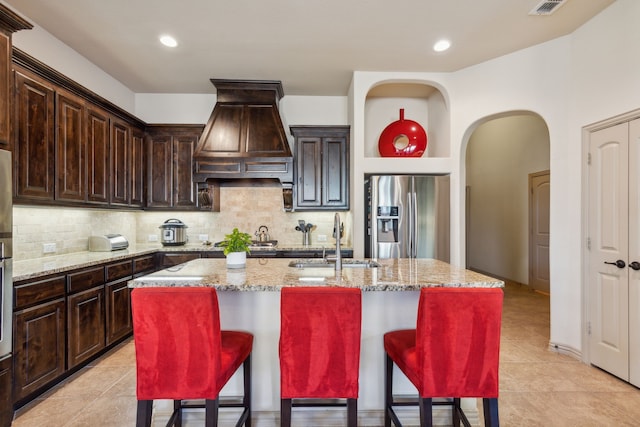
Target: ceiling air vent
<point>547,7</point>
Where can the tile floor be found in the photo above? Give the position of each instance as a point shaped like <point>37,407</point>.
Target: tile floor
<point>537,387</point>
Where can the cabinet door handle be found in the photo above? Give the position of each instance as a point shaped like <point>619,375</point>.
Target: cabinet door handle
<point>619,263</point>
<point>635,265</point>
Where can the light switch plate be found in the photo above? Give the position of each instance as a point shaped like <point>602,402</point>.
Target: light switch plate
<point>203,237</point>
<point>322,237</point>
<point>48,248</point>
<point>152,237</point>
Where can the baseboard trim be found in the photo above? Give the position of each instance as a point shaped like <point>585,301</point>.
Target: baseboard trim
<point>566,350</point>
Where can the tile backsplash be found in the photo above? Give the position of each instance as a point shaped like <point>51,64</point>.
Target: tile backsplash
<point>244,207</point>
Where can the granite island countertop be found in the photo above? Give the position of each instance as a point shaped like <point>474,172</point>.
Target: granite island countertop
<point>272,274</point>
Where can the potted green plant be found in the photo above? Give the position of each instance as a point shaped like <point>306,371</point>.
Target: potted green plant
<point>236,247</point>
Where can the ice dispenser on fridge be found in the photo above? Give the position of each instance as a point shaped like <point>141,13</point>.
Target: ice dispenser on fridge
<point>387,224</point>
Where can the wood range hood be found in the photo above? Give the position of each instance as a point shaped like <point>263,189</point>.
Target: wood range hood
<point>244,140</point>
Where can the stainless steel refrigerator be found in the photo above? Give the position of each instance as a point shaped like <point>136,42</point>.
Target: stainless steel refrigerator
<point>6,291</point>
<point>407,216</point>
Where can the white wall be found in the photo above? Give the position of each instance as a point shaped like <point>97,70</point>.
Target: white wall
<point>51,51</point>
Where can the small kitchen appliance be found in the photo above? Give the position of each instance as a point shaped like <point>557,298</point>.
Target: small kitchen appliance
<point>107,243</point>
<point>263,234</point>
<point>174,232</point>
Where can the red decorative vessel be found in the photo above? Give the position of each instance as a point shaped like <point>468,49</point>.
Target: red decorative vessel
<point>402,138</point>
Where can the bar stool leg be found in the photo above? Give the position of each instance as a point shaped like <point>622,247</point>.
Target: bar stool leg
<point>352,411</point>
<point>285,412</point>
<point>455,411</point>
<point>426,408</point>
<point>143,416</point>
<point>211,412</point>
<point>177,409</point>
<point>388,390</point>
<point>490,406</point>
<point>246,402</point>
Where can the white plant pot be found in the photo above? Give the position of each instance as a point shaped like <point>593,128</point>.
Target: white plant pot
<point>236,259</point>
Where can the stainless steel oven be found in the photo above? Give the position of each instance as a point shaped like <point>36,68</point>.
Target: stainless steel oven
<point>6,293</point>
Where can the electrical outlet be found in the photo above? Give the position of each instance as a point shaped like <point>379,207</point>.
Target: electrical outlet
<point>152,237</point>
<point>322,237</point>
<point>48,248</point>
<point>203,237</point>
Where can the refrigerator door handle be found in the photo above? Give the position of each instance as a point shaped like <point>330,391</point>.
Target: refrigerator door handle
<point>414,231</point>
<point>408,243</point>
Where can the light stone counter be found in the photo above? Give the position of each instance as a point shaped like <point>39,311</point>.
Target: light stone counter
<point>55,264</point>
<point>271,274</point>
<point>258,311</point>
<point>37,267</point>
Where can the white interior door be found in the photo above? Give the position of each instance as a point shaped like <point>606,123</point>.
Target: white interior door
<point>609,242</point>
<point>539,193</point>
<point>634,252</point>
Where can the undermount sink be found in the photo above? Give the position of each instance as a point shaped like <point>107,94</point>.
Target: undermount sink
<point>264,243</point>
<point>321,263</point>
<point>256,244</point>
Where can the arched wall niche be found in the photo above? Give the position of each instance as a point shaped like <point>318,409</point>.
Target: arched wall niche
<point>423,102</point>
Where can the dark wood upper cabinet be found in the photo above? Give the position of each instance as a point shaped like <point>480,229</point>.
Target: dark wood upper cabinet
<point>184,191</point>
<point>5,88</point>
<point>120,163</point>
<point>309,171</point>
<point>170,181</point>
<point>335,171</point>
<point>71,146</point>
<point>10,22</point>
<point>71,157</point>
<point>322,167</point>
<point>137,168</point>
<point>98,156</point>
<point>159,171</point>
<point>34,138</point>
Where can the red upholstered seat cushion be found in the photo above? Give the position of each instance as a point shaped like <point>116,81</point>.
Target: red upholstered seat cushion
<point>180,351</point>
<point>401,347</point>
<point>454,351</point>
<point>320,342</point>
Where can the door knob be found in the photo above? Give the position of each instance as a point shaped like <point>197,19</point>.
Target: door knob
<point>635,265</point>
<point>619,263</point>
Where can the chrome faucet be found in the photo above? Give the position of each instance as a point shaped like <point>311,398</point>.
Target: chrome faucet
<point>337,231</point>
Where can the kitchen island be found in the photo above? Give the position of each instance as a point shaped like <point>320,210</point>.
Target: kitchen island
<point>250,301</point>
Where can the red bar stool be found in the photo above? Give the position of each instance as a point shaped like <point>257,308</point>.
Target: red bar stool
<point>320,348</point>
<point>181,353</point>
<point>453,353</point>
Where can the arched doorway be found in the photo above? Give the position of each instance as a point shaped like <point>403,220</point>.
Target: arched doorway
<point>502,152</point>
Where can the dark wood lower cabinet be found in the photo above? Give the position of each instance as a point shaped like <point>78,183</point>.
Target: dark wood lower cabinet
<point>38,346</point>
<point>118,321</point>
<point>85,325</point>
<point>6,407</point>
<point>170,259</point>
<point>61,322</point>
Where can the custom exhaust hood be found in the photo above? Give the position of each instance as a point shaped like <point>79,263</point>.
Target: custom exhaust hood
<point>244,139</point>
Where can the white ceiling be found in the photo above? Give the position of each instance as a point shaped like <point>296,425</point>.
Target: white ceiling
<point>312,46</point>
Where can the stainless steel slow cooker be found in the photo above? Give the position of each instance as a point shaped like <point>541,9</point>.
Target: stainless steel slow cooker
<point>174,232</point>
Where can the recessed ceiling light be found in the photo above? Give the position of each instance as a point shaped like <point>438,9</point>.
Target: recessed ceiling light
<point>168,41</point>
<point>442,45</point>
